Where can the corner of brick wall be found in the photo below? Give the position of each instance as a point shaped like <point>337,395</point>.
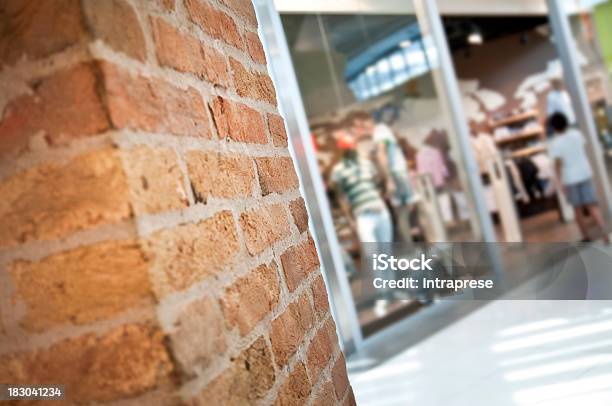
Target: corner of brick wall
<point>154,246</point>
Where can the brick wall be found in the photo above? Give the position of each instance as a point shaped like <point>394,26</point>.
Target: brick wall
<point>154,246</point>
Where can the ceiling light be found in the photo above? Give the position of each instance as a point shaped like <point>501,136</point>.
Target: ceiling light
<point>405,43</point>
<point>475,38</point>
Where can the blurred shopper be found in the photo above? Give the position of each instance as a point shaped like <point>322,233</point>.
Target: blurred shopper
<point>573,169</point>
<point>558,101</point>
<point>355,181</point>
<point>392,164</point>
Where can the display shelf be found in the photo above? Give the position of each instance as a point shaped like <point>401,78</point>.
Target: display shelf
<point>517,118</point>
<point>522,136</point>
<point>528,151</point>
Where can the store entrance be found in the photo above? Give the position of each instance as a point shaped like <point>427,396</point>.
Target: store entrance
<point>511,81</point>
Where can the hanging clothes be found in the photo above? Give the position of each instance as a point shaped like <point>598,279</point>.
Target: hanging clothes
<point>485,148</point>
<point>430,160</point>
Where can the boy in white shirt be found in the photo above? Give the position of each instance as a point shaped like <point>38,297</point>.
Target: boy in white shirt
<point>573,169</point>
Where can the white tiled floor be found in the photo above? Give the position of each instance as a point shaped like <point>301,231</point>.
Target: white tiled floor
<point>506,353</point>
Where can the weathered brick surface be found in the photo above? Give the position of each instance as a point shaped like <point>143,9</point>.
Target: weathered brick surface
<point>103,18</point>
<point>187,54</point>
<point>155,180</point>
<point>251,84</point>
<point>152,190</point>
<point>199,335</point>
<point>213,174</point>
<point>214,22</point>
<point>340,377</point>
<point>38,29</point>
<point>319,297</point>
<point>245,382</point>
<point>289,328</point>
<point>299,214</point>
<point>251,297</point>
<point>51,201</point>
<point>276,124</point>
<point>82,285</point>
<point>238,122</point>
<point>62,106</point>
<point>124,362</point>
<point>189,253</point>
<point>296,389</point>
<point>244,9</point>
<point>326,395</point>
<point>276,175</point>
<point>299,261</point>
<point>149,104</point>
<point>321,349</point>
<point>264,227</point>
<point>255,48</point>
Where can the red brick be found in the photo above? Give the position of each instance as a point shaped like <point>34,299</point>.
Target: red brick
<point>299,214</point>
<point>251,84</point>
<point>189,253</point>
<point>321,350</point>
<point>155,179</point>
<point>340,377</point>
<point>124,362</point>
<point>55,200</point>
<point>251,298</point>
<point>185,53</point>
<point>245,382</point>
<point>350,398</point>
<point>264,226</point>
<point>198,337</point>
<point>296,389</point>
<point>238,122</point>
<point>150,104</point>
<point>276,124</point>
<point>289,328</point>
<point>319,297</point>
<point>82,285</point>
<point>214,22</point>
<point>299,261</point>
<point>62,106</point>
<point>255,48</point>
<point>276,175</point>
<point>213,174</point>
<point>168,5</point>
<point>103,19</point>
<point>38,29</point>
<point>244,10</point>
<point>326,396</point>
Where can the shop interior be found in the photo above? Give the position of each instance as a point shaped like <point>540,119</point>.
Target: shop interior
<point>351,66</point>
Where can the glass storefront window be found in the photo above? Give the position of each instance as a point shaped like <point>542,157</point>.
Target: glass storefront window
<point>383,148</point>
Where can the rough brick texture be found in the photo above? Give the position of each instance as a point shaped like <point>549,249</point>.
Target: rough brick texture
<point>276,175</point>
<point>238,122</point>
<point>251,298</point>
<point>53,200</point>
<point>61,106</point>
<point>82,285</point>
<point>105,16</point>
<point>154,245</point>
<point>124,362</point>
<point>299,261</point>
<point>214,174</point>
<point>188,253</point>
<point>264,227</point>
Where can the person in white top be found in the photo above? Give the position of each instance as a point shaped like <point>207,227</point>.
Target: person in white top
<point>573,169</point>
<point>558,101</point>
